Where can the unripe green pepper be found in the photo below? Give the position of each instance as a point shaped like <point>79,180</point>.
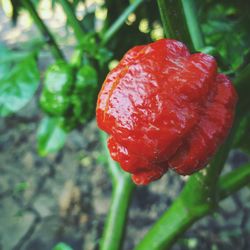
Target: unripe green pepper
<point>85,93</point>
<point>70,94</point>
<point>58,84</point>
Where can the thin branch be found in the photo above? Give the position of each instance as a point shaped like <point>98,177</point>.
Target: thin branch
<point>115,223</point>
<point>122,191</point>
<point>120,21</point>
<point>181,215</point>
<point>234,181</point>
<point>30,231</point>
<point>48,37</point>
<point>114,170</point>
<point>73,21</point>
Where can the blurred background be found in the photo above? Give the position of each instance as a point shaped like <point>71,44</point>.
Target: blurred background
<point>61,195</point>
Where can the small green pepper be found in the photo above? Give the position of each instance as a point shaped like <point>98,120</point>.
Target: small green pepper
<point>58,84</point>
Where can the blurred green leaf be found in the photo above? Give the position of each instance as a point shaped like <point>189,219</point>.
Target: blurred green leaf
<point>21,186</point>
<point>225,25</point>
<point>4,66</point>
<point>62,246</point>
<point>101,159</point>
<point>18,82</point>
<point>92,49</point>
<point>19,213</point>
<point>103,55</point>
<point>50,136</point>
<point>89,44</point>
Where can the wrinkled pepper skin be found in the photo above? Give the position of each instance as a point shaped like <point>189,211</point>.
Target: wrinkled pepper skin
<point>164,108</point>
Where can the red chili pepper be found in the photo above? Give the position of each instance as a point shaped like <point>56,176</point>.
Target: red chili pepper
<point>165,108</point>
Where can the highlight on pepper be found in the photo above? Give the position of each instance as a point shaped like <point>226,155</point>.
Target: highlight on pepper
<point>165,108</point>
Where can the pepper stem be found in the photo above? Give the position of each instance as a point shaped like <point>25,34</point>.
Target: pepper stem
<point>123,187</point>
<point>48,37</point>
<point>120,21</point>
<point>174,21</point>
<point>73,21</point>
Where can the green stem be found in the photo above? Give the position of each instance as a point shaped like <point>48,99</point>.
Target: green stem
<point>120,21</point>
<point>174,21</point>
<point>234,181</point>
<point>73,21</point>
<point>116,221</point>
<point>122,191</point>
<point>193,24</point>
<point>48,37</point>
<point>166,230</point>
<point>181,215</point>
<point>114,170</point>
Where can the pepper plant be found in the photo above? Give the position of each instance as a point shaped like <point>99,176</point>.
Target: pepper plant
<point>70,87</point>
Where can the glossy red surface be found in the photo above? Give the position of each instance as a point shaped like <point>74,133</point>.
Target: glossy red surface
<point>164,108</point>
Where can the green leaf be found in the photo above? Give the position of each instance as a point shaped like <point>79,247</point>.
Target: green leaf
<point>62,246</point>
<point>4,67</point>
<point>90,46</point>
<point>21,186</point>
<point>18,82</point>
<point>222,19</point>
<point>50,136</point>
<point>103,55</point>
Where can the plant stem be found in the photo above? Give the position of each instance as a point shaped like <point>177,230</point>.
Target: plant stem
<point>234,181</point>
<point>193,24</point>
<point>117,216</point>
<point>73,21</point>
<point>122,191</point>
<point>181,216</point>
<point>113,168</point>
<point>120,21</point>
<point>48,37</point>
<point>174,21</point>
